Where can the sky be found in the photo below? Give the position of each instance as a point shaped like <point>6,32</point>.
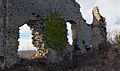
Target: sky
<point>110,9</point>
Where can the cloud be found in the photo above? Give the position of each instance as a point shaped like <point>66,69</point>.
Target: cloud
<point>26,44</point>
<point>110,9</point>
<point>25,28</point>
<point>25,32</point>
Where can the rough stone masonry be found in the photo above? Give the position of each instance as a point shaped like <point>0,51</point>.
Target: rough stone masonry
<point>15,13</point>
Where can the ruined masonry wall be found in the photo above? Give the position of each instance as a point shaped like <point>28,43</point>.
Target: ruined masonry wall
<point>15,13</point>
<point>99,34</point>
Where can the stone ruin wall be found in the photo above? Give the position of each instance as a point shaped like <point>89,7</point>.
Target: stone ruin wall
<point>15,13</point>
<point>98,29</point>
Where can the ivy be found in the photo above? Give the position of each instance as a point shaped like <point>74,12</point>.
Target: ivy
<point>55,31</point>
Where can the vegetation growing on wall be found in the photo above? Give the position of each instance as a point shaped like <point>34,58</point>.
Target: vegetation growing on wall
<point>55,31</point>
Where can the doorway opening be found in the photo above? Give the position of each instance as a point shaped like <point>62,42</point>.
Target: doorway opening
<point>69,33</point>
<point>26,49</point>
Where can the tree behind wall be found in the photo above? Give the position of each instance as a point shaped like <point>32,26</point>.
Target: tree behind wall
<point>117,39</point>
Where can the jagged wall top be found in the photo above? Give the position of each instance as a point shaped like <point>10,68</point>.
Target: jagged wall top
<point>97,16</point>
<point>96,13</point>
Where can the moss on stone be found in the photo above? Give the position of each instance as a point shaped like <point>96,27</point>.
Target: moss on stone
<point>55,31</point>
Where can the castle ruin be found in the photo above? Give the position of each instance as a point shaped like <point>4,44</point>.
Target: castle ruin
<point>15,13</point>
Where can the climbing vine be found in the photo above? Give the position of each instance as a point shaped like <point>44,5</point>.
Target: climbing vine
<point>55,31</point>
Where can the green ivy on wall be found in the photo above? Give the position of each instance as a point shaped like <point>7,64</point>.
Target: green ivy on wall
<point>55,31</point>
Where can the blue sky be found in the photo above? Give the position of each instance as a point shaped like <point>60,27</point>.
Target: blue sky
<point>110,9</point>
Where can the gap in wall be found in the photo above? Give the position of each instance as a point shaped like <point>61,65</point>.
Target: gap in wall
<point>26,48</point>
<point>69,33</point>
